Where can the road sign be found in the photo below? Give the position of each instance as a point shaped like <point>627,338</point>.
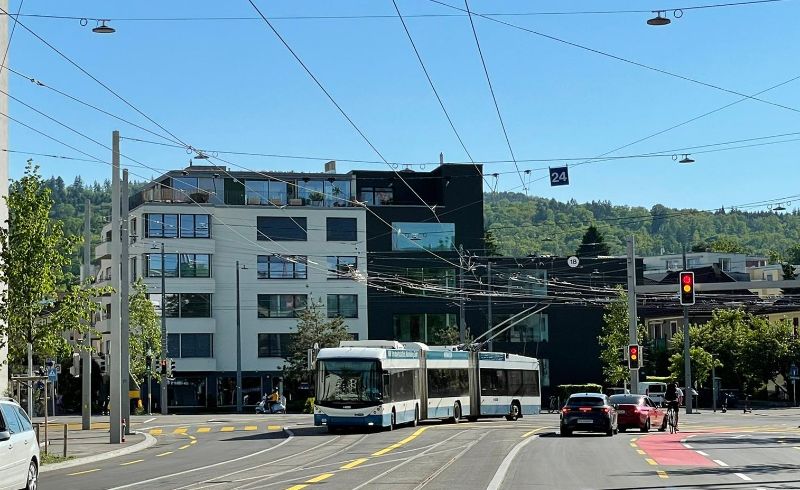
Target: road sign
<point>573,261</point>
<point>793,372</point>
<point>52,375</point>
<point>58,368</point>
<point>559,176</point>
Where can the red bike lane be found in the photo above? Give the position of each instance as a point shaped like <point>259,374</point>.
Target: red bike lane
<point>668,450</point>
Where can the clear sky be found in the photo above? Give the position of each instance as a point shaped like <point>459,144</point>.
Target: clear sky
<point>231,85</point>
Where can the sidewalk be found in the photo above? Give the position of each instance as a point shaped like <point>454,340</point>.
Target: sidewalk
<point>86,446</point>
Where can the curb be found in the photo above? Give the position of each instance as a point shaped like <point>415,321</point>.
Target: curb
<point>149,441</point>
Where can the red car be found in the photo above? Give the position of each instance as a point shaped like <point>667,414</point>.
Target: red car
<point>638,411</point>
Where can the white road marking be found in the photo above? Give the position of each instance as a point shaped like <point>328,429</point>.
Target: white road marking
<point>687,446</point>
<point>743,476</point>
<point>200,468</point>
<point>721,463</point>
<point>740,436</point>
<point>500,474</point>
<point>701,453</point>
<point>149,420</point>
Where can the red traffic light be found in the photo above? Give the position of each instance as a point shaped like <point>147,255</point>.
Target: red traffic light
<point>686,279</point>
<point>633,351</point>
<point>634,362</point>
<point>687,288</point>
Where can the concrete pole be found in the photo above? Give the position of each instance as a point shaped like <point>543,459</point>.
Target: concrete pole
<point>86,354</point>
<point>632,318</point>
<point>124,299</point>
<point>3,175</point>
<point>238,345</point>
<point>489,299</point>
<point>115,424</point>
<point>164,401</point>
<point>687,358</point>
<point>462,322</point>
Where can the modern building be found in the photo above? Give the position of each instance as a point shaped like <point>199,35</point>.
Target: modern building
<point>299,241</point>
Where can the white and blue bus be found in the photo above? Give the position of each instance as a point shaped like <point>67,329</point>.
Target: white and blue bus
<point>386,383</point>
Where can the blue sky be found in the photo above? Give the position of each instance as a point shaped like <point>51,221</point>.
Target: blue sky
<point>231,85</point>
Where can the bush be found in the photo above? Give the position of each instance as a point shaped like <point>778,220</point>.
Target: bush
<point>564,391</point>
<point>309,406</point>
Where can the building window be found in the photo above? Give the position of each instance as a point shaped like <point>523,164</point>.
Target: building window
<point>673,327</point>
<point>281,229</point>
<point>342,229</point>
<point>423,236</point>
<point>178,265</point>
<point>281,305</point>
<point>672,264</point>
<point>725,264</point>
<point>423,327</point>
<point>424,281</point>
<point>343,305</point>
<point>377,196</point>
<point>108,311</point>
<point>166,225</point>
<point>195,265</point>
<point>534,328</point>
<point>274,344</point>
<point>531,282</point>
<point>153,265</point>
<point>132,271</point>
<point>342,267</point>
<point>186,345</point>
<point>282,267</point>
<point>184,305</point>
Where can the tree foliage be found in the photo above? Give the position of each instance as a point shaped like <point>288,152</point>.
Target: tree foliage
<point>614,338</point>
<point>592,244</point>
<point>312,328</point>
<point>145,331</point>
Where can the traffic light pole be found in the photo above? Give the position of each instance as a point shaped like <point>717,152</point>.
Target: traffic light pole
<point>632,333</point>
<point>164,401</point>
<point>687,359</point>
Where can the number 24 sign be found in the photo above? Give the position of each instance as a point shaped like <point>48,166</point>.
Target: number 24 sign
<point>559,176</point>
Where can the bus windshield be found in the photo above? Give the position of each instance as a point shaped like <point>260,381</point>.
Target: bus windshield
<point>350,382</point>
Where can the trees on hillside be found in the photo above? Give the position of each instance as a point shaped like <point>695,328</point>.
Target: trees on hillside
<point>592,244</point>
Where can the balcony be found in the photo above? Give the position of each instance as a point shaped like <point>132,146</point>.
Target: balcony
<point>103,250</point>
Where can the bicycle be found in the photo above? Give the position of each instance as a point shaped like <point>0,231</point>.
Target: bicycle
<point>672,420</point>
<point>554,405</point>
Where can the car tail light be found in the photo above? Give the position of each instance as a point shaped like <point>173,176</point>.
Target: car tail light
<point>565,410</point>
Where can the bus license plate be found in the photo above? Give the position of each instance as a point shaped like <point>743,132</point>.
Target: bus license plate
<point>585,421</point>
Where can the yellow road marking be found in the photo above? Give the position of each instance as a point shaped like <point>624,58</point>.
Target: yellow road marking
<point>227,429</point>
<point>662,474</point>
<point>353,464</point>
<point>633,444</point>
<point>163,454</point>
<point>274,427</point>
<point>131,462</point>
<point>641,452</point>
<point>297,487</point>
<point>83,472</point>
<point>250,427</point>
<point>193,438</point>
<point>184,447</point>
<point>531,432</point>
<point>651,461</point>
<point>193,442</point>
<point>319,478</point>
<point>180,430</point>
<point>204,430</point>
<point>634,439</point>
<point>156,432</point>
<point>401,443</point>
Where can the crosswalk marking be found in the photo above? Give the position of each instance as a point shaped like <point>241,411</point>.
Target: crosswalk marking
<point>203,430</point>
<point>155,432</point>
<point>251,427</point>
<point>180,430</point>
<point>227,429</point>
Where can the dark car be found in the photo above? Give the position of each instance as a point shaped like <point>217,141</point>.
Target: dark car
<point>589,412</point>
<point>639,412</point>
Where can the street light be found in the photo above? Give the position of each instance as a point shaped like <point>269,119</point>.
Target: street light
<point>164,393</point>
<point>658,20</point>
<point>686,159</point>
<point>238,342</point>
<point>103,28</point>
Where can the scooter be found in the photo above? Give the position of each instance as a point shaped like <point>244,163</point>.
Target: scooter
<point>275,407</point>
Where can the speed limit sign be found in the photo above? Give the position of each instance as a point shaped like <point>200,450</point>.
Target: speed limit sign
<point>573,262</point>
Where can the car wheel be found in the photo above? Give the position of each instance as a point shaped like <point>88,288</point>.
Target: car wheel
<point>646,426</point>
<point>33,477</point>
<point>565,432</point>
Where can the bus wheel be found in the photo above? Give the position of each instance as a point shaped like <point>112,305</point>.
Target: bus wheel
<point>415,422</point>
<point>456,412</point>
<point>514,413</point>
<point>393,420</point>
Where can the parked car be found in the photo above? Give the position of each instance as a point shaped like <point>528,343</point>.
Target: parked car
<point>590,412</point>
<point>638,411</point>
<point>19,465</point>
<point>654,389</point>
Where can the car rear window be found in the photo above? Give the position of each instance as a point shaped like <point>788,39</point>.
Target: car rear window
<point>586,401</point>
<point>625,399</point>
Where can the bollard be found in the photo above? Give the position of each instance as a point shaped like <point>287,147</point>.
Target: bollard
<point>123,430</point>
<point>66,432</point>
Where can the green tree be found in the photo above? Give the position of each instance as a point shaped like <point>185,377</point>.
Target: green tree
<point>33,254</point>
<point>727,245</point>
<point>312,328</point>
<point>592,244</point>
<point>145,331</point>
<point>492,246</point>
<point>614,338</point>
<point>702,360</point>
<point>449,336</point>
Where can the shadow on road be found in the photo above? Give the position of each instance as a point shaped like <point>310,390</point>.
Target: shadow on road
<point>256,436</point>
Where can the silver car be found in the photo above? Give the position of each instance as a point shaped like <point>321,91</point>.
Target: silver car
<point>19,450</point>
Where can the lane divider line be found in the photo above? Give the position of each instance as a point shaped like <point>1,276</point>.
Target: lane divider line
<point>156,432</point>
<point>702,453</point>
<point>180,430</point>
<point>83,472</point>
<point>184,447</point>
<point>502,470</point>
<point>721,463</point>
<point>651,461</point>
<point>131,462</point>
<point>662,474</point>
<point>687,446</point>
<point>353,464</point>
<point>274,427</point>
<point>297,487</point>
<point>164,454</point>
<point>400,443</point>
<point>534,431</point>
<point>743,476</point>
<point>641,452</point>
<point>319,478</point>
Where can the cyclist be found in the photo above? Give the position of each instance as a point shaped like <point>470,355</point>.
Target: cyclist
<point>671,398</point>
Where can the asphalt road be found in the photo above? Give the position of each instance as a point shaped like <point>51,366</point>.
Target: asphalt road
<point>713,451</point>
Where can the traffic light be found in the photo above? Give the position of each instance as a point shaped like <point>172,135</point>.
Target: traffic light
<point>163,367</point>
<point>75,369</point>
<point>687,288</point>
<point>634,356</point>
<point>171,368</point>
<point>148,362</point>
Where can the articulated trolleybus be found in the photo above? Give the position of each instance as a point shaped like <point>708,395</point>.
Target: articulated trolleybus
<point>381,383</point>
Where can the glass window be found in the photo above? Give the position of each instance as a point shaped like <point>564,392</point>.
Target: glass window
<point>349,382</point>
<point>161,225</point>
<point>522,281</point>
<point>24,420</point>
<point>342,229</point>
<point>337,193</point>
<point>195,226</point>
<point>343,305</point>
<point>443,383</point>
<point>256,192</point>
<point>195,305</point>
<point>197,345</point>
<point>377,196</point>
<point>277,193</point>
<point>280,305</point>
<point>342,267</point>
<point>428,281</point>
<point>186,189</point>
<point>174,345</point>
<point>311,192</point>
<point>282,267</point>
<point>274,344</point>
<point>187,391</point>
<point>281,229</point>
<point>532,329</point>
<point>212,189</point>
<point>195,265</point>
<point>153,262</point>
<point>12,422</point>
<point>422,327</point>
<point>428,236</point>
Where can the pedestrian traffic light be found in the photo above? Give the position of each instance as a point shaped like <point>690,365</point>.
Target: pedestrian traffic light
<point>163,367</point>
<point>687,288</point>
<point>634,356</point>
<point>148,362</point>
<point>171,368</point>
